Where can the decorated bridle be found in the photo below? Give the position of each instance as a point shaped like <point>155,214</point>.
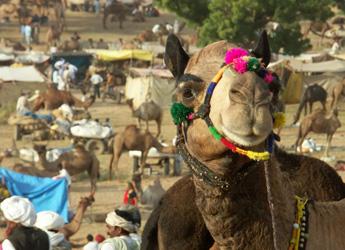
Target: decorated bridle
<point>239,60</point>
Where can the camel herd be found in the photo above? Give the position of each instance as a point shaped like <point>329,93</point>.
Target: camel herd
<point>81,159</point>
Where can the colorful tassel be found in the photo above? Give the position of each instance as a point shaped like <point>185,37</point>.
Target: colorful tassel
<point>180,113</point>
<point>279,120</point>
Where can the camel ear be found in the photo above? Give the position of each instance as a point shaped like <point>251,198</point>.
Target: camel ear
<point>175,58</point>
<point>262,48</point>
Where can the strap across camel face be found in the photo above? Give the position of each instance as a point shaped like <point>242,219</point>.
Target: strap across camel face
<point>236,105</point>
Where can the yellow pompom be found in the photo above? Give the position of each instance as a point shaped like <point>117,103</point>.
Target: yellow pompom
<point>279,120</point>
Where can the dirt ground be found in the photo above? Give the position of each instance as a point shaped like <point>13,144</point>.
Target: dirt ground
<point>109,193</point>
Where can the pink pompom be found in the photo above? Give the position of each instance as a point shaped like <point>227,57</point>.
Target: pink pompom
<point>240,65</point>
<point>234,53</point>
<point>268,77</point>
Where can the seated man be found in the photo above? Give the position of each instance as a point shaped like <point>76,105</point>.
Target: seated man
<point>51,222</point>
<point>122,232</point>
<point>20,232</point>
<point>22,107</point>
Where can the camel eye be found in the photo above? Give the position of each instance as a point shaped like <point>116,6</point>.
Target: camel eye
<point>188,93</point>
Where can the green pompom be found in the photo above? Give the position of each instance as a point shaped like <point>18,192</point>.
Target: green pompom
<point>253,64</point>
<point>179,112</point>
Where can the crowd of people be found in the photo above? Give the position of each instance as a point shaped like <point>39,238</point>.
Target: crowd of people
<point>26,229</point>
<point>64,75</point>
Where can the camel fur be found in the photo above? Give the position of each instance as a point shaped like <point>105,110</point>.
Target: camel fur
<point>133,139</point>
<point>336,92</point>
<point>53,99</point>
<point>257,211</point>
<point>312,94</point>
<point>147,111</point>
<point>321,123</point>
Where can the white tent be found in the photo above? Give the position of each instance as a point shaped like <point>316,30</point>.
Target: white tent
<point>150,84</point>
<point>21,74</point>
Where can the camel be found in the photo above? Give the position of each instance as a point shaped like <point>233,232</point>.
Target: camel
<point>117,9</point>
<point>237,199</point>
<point>75,162</point>
<point>53,99</point>
<point>147,36</point>
<point>152,194</point>
<point>147,111</point>
<point>59,11</point>
<point>313,93</point>
<point>72,228</point>
<point>70,45</point>
<point>54,33</point>
<point>336,92</point>
<point>321,123</point>
<point>133,139</point>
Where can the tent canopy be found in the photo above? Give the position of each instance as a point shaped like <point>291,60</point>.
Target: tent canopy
<point>141,72</point>
<point>141,89</point>
<point>21,74</point>
<point>116,55</point>
<point>81,60</point>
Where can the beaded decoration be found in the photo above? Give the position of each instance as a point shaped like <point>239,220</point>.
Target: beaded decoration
<point>300,231</point>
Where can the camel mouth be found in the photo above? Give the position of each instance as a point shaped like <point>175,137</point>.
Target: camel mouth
<point>250,141</point>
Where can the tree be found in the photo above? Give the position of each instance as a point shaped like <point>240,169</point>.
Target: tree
<point>240,21</point>
<point>194,11</point>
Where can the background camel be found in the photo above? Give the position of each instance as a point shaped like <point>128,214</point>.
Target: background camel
<point>313,93</point>
<point>116,9</point>
<point>336,92</point>
<point>75,162</point>
<point>133,139</point>
<point>70,45</point>
<point>321,123</point>
<point>147,111</point>
<point>152,194</point>
<point>53,99</point>
<point>54,33</point>
<point>238,217</point>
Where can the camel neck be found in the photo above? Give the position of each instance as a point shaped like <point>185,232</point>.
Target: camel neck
<point>248,215</point>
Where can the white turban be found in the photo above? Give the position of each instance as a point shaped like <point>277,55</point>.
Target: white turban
<point>117,221</point>
<point>48,220</point>
<point>59,63</point>
<point>19,210</point>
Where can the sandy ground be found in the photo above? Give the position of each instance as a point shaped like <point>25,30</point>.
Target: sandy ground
<point>109,193</point>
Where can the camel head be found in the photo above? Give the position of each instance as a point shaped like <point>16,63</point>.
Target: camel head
<point>40,149</point>
<point>240,104</point>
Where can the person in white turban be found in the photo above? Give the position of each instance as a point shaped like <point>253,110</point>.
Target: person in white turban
<point>122,232</point>
<point>51,222</point>
<point>20,232</point>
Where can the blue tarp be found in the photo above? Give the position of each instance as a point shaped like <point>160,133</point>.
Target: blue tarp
<point>44,193</point>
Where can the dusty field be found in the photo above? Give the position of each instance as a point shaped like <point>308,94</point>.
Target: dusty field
<point>109,193</point>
